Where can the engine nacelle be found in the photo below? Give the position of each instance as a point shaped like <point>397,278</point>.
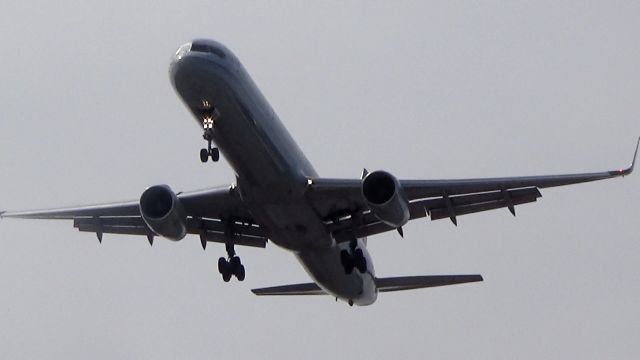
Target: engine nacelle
<point>384,196</point>
<point>162,211</point>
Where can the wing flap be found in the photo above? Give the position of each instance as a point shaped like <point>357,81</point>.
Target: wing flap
<point>469,204</point>
<point>243,236</point>
<point>122,230</point>
<point>134,221</point>
<point>419,282</point>
<point>437,209</point>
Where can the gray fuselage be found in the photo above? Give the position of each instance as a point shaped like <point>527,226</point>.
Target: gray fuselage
<point>272,173</point>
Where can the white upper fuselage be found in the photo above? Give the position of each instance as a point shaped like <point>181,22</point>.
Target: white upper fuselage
<point>272,172</point>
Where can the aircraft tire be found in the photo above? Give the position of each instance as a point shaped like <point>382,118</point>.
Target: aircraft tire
<point>226,276</point>
<point>346,261</point>
<point>360,261</point>
<point>240,273</point>
<point>204,155</point>
<point>215,154</point>
<point>234,264</point>
<point>222,265</point>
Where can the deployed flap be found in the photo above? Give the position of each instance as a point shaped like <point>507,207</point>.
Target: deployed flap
<point>418,282</point>
<point>468,204</point>
<point>295,289</point>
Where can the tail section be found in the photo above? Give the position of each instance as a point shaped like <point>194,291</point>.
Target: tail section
<point>295,289</point>
<point>383,284</point>
<point>419,282</point>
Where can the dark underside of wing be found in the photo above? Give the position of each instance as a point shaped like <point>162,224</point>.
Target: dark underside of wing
<point>441,208</point>
<point>419,282</point>
<point>341,204</point>
<point>213,214</point>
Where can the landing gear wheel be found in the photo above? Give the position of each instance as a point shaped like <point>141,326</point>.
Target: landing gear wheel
<point>209,151</point>
<point>222,265</point>
<point>360,262</point>
<point>346,261</point>
<point>204,155</point>
<point>225,269</point>
<point>240,273</point>
<point>234,264</point>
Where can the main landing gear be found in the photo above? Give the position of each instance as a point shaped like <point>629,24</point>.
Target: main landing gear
<point>353,259</point>
<point>231,266</point>
<point>210,151</point>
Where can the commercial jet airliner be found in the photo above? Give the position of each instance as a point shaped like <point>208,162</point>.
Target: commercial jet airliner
<point>277,196</point>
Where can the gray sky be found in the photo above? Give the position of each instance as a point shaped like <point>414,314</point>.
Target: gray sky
<point>424,90</point>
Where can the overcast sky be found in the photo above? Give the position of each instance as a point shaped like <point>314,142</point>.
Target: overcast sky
<point>424,90</point>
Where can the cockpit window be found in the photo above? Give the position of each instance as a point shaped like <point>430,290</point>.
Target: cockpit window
<point>211,49</point>
<point>182,50</point>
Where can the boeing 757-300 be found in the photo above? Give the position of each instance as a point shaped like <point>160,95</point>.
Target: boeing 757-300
<point>277,195</point>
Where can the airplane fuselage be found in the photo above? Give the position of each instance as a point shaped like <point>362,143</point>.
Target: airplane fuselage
<point>272,173</point>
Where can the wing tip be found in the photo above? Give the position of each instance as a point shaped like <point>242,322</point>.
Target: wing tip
<point>629,170</point>
<point>635,155</point>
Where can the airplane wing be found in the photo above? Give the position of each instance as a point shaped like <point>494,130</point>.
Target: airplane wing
<point>205,211</point>
<point>341,204</point>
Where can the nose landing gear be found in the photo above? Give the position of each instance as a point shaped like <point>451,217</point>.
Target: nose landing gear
<point>353,259</point>
<point>210,151</point>
<point>209,116</point>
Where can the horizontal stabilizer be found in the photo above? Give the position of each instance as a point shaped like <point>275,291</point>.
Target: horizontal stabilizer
<point>295,289</point>
<point>419,282</point>
<point>383,284</point>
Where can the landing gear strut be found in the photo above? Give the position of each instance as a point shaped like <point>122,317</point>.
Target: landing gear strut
<point>231,266</point>
<point>210,151</point>
<point>353,259</point>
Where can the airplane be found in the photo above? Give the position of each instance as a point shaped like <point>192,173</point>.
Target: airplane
<point>277,195</point>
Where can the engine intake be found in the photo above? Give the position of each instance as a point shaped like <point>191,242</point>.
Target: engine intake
<point>162,211</point>
<point>383,194</point>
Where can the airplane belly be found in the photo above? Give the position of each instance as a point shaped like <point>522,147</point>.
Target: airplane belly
<point>242,123</point>
<point>271,170</point>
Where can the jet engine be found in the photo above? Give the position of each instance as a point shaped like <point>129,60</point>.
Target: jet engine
<point>384,196</point>
<point>162,211</point>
